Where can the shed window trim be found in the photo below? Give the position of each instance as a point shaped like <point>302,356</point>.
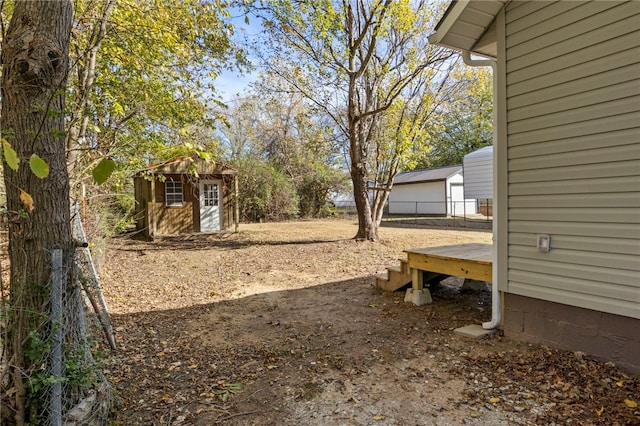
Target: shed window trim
<point>174,195</point>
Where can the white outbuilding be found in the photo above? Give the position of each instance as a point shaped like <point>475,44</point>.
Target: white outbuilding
<point>437,192</point>
<point>478,173</point>
<point>478,178</point>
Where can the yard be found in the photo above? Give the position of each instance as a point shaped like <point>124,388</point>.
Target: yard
<point>280,324</point>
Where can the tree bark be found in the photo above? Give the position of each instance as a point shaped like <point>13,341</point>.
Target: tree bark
<point>35,55</point>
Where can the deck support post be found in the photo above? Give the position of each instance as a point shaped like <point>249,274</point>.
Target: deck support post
<point>417,294</point>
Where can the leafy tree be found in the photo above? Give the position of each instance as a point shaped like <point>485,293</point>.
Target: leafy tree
<point>464,118</point>
<point>138,74</point>
<point>267,193</point>
<point>279,128</point>
<point>142,82</point>
<point>34,63</point>
<point>354,60</point>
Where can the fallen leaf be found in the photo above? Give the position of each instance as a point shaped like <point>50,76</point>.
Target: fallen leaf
<point>378,417</point>
<point>600,411</point>
<point>630,403</point>
<point>494,400</point>
<point>475,414</point>
<point>620,384</point>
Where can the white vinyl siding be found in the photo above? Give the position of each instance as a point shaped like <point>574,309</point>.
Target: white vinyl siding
<point>419,198</point>
<point>478,174</point>
<point>573,148</point>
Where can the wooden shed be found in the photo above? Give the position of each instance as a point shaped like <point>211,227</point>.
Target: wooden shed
<point>186,195</point>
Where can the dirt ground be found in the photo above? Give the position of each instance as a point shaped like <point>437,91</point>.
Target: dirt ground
<point>281,324</point>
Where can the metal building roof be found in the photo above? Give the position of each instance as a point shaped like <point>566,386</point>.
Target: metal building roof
<point>426,175</point>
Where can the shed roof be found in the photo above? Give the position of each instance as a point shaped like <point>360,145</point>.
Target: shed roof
<point>469,25</point>
<point>426,175</point>
<point>189,163</point>
<point>486,151</point>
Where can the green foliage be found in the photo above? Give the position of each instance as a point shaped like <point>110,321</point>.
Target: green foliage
<point>266,194</point>
<point>38,166</point>
<point>141,87</point>
<point>103,170</point>
<point>464,122</point>
<point>314,191</point>
<point>10,155</point>
<point>282,132</point>
<point>366,65</point>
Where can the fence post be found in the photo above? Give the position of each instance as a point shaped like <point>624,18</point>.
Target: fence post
<point>56,350</point>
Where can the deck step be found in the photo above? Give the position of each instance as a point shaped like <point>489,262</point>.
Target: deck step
<point>395,278</point>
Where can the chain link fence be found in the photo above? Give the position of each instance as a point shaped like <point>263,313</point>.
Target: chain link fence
<point>463,214</point>
<point>68,376</point>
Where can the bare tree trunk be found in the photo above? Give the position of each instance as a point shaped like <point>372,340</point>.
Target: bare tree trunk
<point>35,60</point>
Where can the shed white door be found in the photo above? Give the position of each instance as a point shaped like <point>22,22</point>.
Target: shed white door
<point>210,200</point>
<point>458,205</point>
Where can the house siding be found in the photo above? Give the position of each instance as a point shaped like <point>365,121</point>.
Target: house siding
<point>573,149</point>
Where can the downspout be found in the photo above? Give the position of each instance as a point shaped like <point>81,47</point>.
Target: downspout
<point>495,293</point>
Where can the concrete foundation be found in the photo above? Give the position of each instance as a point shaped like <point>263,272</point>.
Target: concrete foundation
<point>605,336</point>
<point>418,297</point>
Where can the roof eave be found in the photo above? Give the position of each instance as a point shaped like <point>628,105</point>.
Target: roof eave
<point>448,29</point>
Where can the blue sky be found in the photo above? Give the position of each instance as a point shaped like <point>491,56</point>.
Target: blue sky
<point>232,83</point>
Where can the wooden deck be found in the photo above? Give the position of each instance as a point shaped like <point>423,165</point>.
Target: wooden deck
<point>472,261</point>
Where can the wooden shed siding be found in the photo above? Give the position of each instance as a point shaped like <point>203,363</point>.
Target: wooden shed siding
<point>573,126</point>
<point>177,219</point>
